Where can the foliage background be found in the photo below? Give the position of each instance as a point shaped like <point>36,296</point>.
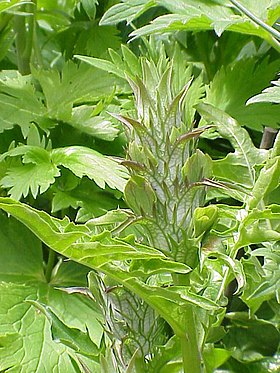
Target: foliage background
<point>65,66</point>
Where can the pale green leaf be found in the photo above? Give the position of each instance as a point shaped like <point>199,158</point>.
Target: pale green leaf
<point>10,5</point>
<point>74,85</point>
<point>102,65</point>
<point>25,336</point>
<point>96,126</point>
<point>63,237</point>
<point>196,15</point>
<point>127,10</point>
<point>84,161</point>
<point>257,227</point>
<point>268,180</point>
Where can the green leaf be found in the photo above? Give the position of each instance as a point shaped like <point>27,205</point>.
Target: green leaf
<point>268,180</point>
<point>215,357</point>
<point>35,175</point>
<point>196,15</point>
<point>237,167</point>
<point>128,10</point>
<point>74,85</point>
<point>256,229</point>
<point>271,94</point>
<point>250,339</point>
<point>102,65</point>
<point>97,39</point>
<point>25,338</point>
<point>64,237</point>
<point>10,4</point>
<point>20,253</point>
<point>96,126</point>
<point>228,92</point>
<point>74,338</point>
<point>90,7</point>
<point>84,161</point>
<point>19,103</point>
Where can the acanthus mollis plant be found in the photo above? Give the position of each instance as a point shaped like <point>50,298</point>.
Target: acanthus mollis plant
<point>169,176</point>
<point>161,269</point>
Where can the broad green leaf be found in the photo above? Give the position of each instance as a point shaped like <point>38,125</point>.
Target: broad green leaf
<point>19,352</point>
<point>102,65</point>
<point>237,167</point>
<point>215,357</point>
<point>262,280</point>
<point>271,94</point>
<point>90,7</point>
<point>36,173</point>
<point>251,339</point>
<point>74,338</point>
<point>64,237</point>
<point>74,85</point>
<point>228,92</point>
<point>84,161</point>
<point>97,39</point>
<point>25,334</point>
<point>235,267</point>
<point>89,205</point>
<point>20,253</point>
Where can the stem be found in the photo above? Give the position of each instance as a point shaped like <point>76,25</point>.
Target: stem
<point>24,30</point>
<point>50,265</point>
<point>139,364</point>
<point>191,351</point>
<point>275,33</point>
<point>268,138</point>
<point>192,357</point>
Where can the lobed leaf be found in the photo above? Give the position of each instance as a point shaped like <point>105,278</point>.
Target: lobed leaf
<point>84,161</point>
